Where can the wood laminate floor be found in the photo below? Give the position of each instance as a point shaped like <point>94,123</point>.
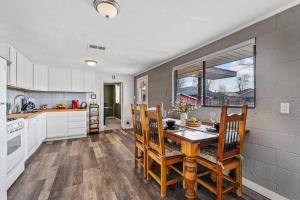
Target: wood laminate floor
<point>96,167</point>
<point>112,123</point>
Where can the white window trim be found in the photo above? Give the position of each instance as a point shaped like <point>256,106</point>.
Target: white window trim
<point>201,59</point>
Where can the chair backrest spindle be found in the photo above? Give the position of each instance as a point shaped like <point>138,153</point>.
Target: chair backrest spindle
<point>138,130</point>
<point>154,130</point>
<point>231,133</point>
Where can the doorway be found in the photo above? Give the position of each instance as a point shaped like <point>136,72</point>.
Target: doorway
<point>112,106</point>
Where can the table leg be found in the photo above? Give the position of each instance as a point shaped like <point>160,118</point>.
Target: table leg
<point>191,151</point>
<point>190,176</point>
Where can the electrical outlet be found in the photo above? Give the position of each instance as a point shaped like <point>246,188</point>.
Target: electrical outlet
<point>285,108</point>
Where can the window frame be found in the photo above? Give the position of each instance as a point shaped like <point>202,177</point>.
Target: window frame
<point>203,85</point>
<point>229,106</point>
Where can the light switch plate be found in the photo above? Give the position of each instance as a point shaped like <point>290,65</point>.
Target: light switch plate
<point>285,108</point>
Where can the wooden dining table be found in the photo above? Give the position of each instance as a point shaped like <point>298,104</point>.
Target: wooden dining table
<point>191,140</point>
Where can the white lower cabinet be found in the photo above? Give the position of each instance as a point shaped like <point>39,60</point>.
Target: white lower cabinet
<point>76,123</point>
<point>56,124</point>
<point>66,124</point>
<point>32,136</point>
<point>42,127</point>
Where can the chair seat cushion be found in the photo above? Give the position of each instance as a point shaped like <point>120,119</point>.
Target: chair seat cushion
<point>209,153</point>
<point>170,152</point>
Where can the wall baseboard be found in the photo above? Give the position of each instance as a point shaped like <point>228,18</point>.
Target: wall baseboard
<point>262,190</point>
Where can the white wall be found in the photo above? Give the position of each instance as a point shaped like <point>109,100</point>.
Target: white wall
<point>128,93</point>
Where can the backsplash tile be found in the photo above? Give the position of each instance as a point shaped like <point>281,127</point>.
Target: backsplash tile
<point>49,98</point>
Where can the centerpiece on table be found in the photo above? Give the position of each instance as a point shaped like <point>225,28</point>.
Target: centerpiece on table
<point>183,109</point>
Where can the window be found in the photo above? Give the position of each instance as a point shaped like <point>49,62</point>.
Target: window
<point>223,78</point>
<point>188,84</point>
<point>229,78</point>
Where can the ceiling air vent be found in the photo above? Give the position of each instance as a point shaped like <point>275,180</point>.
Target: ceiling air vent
<point>92,46</point>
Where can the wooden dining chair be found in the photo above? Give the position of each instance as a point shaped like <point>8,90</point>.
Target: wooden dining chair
<point>160,153</point>
<point>227,157</point>
<point>140,149</point>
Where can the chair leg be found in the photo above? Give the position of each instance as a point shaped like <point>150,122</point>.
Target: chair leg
<point>238,179</point>
<point>148,166</point>
<point>145,163</point>
<point>183,170</point>
<point>135,156</point>
<point>219,183</point>
<point>163,178</point>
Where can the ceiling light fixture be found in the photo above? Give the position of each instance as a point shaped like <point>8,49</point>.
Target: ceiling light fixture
<point>107,8</point>
<point>91,63</point>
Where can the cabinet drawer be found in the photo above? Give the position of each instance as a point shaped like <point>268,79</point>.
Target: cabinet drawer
<point>77,124</point>
<point>76,131</point>
<point>76,117</point>
<point>72,114</point>
<point>57,115</point>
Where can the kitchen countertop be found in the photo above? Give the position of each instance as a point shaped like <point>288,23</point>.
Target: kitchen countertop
<point>34,114</point>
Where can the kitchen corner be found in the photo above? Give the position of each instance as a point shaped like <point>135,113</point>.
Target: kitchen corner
<point>50,116</point>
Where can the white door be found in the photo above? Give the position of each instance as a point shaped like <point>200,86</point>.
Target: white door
<point>3,150</point>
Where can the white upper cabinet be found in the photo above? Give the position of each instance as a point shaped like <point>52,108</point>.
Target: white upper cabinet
<point>21,70</point>
<point>59,79</point>
<point>78,81</point>
<point>89,85</point>
<point>12,69</point>
<point>29,75</point>
<point>4,51</point>
<point>40,77</point>
<point>24,72</point>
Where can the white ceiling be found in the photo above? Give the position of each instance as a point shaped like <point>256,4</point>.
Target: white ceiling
<point>144,34</point>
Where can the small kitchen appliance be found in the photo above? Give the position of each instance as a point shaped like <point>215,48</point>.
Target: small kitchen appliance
<point>75,104</point>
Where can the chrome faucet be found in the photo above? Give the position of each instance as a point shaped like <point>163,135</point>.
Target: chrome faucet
<point>16,108</point>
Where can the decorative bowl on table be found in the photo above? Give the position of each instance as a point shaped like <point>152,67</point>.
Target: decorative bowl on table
<point>170,124</point>
<point>193,122</point>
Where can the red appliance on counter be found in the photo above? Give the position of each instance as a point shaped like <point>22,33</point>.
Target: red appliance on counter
<point>75,104</point>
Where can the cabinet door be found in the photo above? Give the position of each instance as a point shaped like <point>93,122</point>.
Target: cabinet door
<point>4,51</point>
<point>40,77</point>
<point>3,94</point>
<point>42,128</point>
<point>29,75</point>
<point>21,70</point>
<point>32,135</point>
<point>12,69</point>
<point>56,124</point>
<point>77,81</point>
<point>89,85</point>
<point>59,79</point>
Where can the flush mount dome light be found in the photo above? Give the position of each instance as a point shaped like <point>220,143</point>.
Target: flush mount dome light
<point>107,8</point>
<point>91,63</point>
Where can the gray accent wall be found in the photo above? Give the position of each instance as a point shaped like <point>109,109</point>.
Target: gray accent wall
<point>272,149</point>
